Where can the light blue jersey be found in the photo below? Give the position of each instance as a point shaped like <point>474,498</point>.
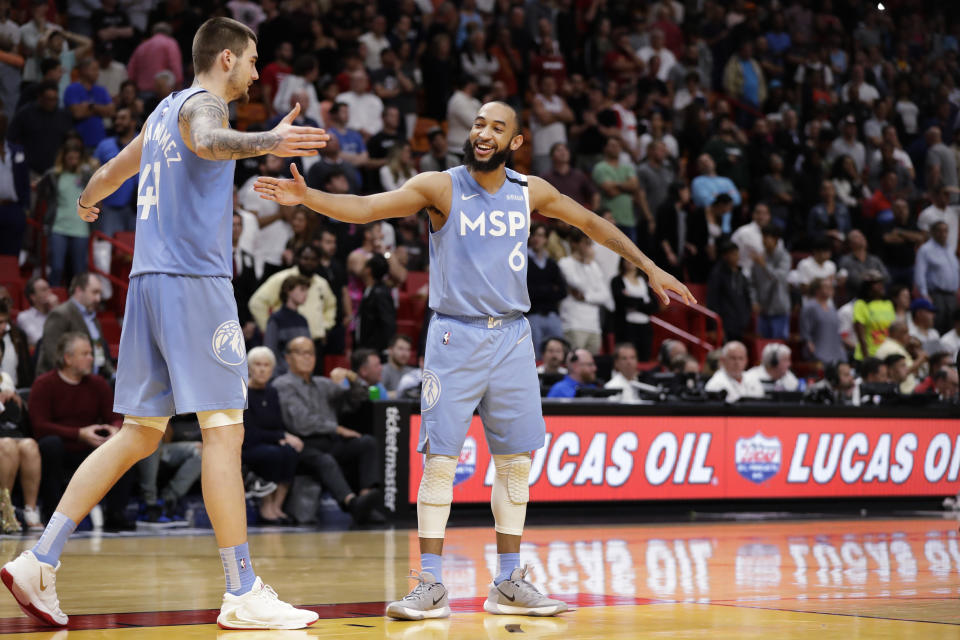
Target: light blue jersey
<point>478,259</point>
<point>184,203</point>
<point>479,355</point>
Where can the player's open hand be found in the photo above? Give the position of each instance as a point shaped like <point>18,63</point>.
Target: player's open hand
<point>282,190</point>
<point>295,140</point>
<point>661,282</point>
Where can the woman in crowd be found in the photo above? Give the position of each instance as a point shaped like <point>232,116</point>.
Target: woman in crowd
<point>304,228</point>
<point>829,216</point>
<point>633,307</point>
<point>901,298</point>
<point>399,167</point>
<point>18,454</point>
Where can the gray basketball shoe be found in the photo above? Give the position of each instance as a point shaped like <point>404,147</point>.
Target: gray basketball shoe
<point>427,600</point>
<point>516,596</point>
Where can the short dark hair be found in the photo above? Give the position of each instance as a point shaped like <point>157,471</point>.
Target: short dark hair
<point>727,246</point>
<point>723,198</point>
<point>290,283</point>
<point>30,288</point>
<point>215,35</point>
<point>400,337</point>
<point>46,66</point>
<point>65,342</point>
<point>822,243</point>
<point>870,366</point>
<point>378,266</point>
<point>46,85</point>
<point>359,358</point>
<point>563,343</point>
<point>893,359</point>
<point>620,346</point>
<point>304,64</point>
<point>80,281</point>
<point>5,306</point>
<point>772,230</point>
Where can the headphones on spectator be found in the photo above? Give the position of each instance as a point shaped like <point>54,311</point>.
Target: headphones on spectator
<point>664,354</point>
<point>831,373</point>
<point>771,354</point>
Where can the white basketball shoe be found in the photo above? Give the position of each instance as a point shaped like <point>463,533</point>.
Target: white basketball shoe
<point>260,608</point>
<point>33,585</point>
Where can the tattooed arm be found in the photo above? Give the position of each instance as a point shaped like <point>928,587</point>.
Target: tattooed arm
<point>545,198</point>
<point>204,125</point>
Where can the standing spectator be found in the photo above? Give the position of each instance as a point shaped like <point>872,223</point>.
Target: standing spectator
<point>728,292</point>
<point>657,48</point>
<point>286,323</point>
<point>439,70</point>
<point>366,108</point>
<point>900,238</point>
<point>655,175</point>
<point>937,275</point>
<point>818,265</point>
<point>461,110</point>
<point>398,363</point>
<point>587,293</point>
<point>331,269</point>
<point>299,86</point>
<point>274,72</point>
<point>380,145</point>
<point>569,180</point>
<point>708,185</point>
<point>117,212</point>
<point>820,324</point>
<point>633,306</point>
<point>730,376</point>
<point>112,27</point>
<point>89,103</point>
<point>858,261</point>
<point>15,358</point>
<point>77,315</point>
<point>743,77</point>
<point>159,52</point>
<point>749,237</point>
<point>44,124</point>
<point>476,61</point>
<point>438,157</point>
<point>773,372</point>
<point>619,186</point>
<point>872,315</point>
<point>41,300</point>
<point>546,287</point>
<point>396,84</point>
<point>549,121</point>
<point>582,374</point>
<point>941,163</point>
<point>375,41</point>
<point>940,210</point>
<point>399,167</point>
<point>59,189</point>
<point>353,147</point>
<point>71,411</point>
<point>830,216</point>
<point>112,73</point>
<point>858,90</point>
<point>376,315</point>
<point>14,192</point>
<point>273,219</point>
<point>769,289</point>
<point>778,191</point>
<point>848,145</point>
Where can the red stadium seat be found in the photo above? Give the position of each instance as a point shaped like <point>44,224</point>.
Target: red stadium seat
<point>9,268</point>
<point>61,293</point>
<point>331,362</point>
<point>15,287</point>
<point>110,327</point>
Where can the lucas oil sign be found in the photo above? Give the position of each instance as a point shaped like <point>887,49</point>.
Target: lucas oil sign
<point>646,458</point>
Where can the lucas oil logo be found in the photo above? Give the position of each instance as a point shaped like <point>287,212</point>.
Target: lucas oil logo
<point>758,458</point>
<point>228,344</point>
<point>467,464</point>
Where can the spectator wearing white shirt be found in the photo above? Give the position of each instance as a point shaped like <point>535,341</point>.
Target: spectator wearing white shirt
<point>42,300</point>
<point>587,293</point>
<point>399,167</point>
<point>461,110</point>
<point>848,145</point>
<point>859,89</point>
<point>940,210</point>
<point>749,237</point>
<point>730,376</point>
<point>273,219</point>
<point>773,372</point>
<point>476,61</point>
<point>625,374</point>
<point>551,115</point>
<point>951,339</point>
<point>818,265</point>
<point>920,324</point>
<point>376,41</point>
<point>657,48</point>
<point>300,81</point>
<point>366,107</point>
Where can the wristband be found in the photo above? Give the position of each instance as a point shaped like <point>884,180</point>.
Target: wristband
<point>83,206</point>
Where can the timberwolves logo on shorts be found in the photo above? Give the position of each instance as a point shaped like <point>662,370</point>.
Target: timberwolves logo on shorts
<point>467,463</point>
<point>228,344</point>
<point>429,390</point>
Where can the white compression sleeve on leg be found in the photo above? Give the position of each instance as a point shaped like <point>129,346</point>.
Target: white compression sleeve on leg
<point>435,495</point>
<point>511,492</point>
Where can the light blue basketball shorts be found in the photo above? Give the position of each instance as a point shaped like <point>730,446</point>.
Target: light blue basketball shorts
<point>181,349</point>
<point>486,365</point>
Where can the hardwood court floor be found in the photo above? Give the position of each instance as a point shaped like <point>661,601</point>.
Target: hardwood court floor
<point>755,580</point>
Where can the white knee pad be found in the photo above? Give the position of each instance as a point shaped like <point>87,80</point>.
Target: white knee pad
<point>219,418</point>
<point>158,423</point>
<point>511,492</point>
<point>435,495</point>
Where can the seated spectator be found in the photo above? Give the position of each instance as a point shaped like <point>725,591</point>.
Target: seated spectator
<point>398,359</point>
<point>367,365</point>
<point>937,275</point>
<point>41,127</point>
<point>550,116</point>
<point>71,410</point>
<point>947,385</point>
<point>269,449</point>
<point>273,220</point>
<point>245,279</point>
<point>633,306</point>
<point>830,216</point>
<point>18,454</point>
<point>854,264</point>
<point>951,339</point>
<point>920,324</point>
<point>286,323</point>
<point>183,458</point>
<point>157,53</point>
<point>438,157</point>
<point>546,287</point>
<point>351,144</point>
<point>768,286</point>
<point>873,371</point>
<point>896,345</point>
<point>838,386</point>
<point>873,314</point>
<point>41,300</point>
<point>582,375</point>
<point>300,82</point>
<point>569,180</point>
<point>937,361</point>
<point>625,374</point>
<point>366,107</point>
<point>377,314</point>
<point>899,240</point>
<point>820,324</point>
<point>818,265</point>
<point>308,405</point>
<point>728,292</point>
<point>554,352</point>
<point>743,77</point>
<point>586,294</point>
<point>773,373</point>
<point>78,313</point>
<point>381,145</point>
<point>320,306</point>
<point>15,357</point>
<point>730,376</point>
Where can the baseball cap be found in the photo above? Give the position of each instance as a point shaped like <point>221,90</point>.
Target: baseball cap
<point>921,303</point>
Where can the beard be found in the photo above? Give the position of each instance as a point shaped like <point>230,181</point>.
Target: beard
<point>493,163</point>
<point>239,87</point>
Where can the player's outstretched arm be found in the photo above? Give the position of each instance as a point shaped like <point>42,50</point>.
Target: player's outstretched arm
<point>430,189</point>
<point>205,127</point>
<point>109,177</point>
<point>547,200</point>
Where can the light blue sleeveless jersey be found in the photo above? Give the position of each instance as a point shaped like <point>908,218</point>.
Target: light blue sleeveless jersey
<point>184,203</point>
<point>478,259</point>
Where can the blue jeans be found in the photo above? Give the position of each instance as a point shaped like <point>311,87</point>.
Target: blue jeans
<point>60,246</point>
<point>543,327</point>
<point>774,327</point>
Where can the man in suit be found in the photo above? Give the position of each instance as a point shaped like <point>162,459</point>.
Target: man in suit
<point>78,313</point>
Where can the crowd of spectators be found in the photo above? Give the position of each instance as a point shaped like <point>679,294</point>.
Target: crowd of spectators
<point>795,162</point>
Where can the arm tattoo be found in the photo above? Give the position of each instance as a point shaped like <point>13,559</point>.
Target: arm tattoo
<point>204,122</point>
<point>615,245</point>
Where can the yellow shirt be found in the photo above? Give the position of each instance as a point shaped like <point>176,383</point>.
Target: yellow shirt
<point>320,307</point>
<point>876,317</point>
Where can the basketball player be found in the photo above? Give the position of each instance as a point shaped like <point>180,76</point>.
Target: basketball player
<point>182,349</point>
<point>479,352</point>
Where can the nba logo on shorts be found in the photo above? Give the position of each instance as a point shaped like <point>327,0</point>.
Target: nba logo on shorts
<point>446,337</point>
<point>228,344</point>
<point>467,464</point>
<point>429,390</point>
<point>758,458</point>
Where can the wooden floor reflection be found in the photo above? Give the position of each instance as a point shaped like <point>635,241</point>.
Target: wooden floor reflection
<point>823,579</point>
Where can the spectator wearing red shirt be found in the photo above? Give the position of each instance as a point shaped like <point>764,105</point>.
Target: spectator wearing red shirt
<point>672,35</point>
<point>570,181</point>
<point>883,198</point>
<point>71,410</point>
<point>549,62</point>
<point>276,71</point>
<point>158,53</point>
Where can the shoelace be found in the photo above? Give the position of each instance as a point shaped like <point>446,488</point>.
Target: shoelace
<point>421,585</point>
<point>267,593</point>
<point>523,583</point>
